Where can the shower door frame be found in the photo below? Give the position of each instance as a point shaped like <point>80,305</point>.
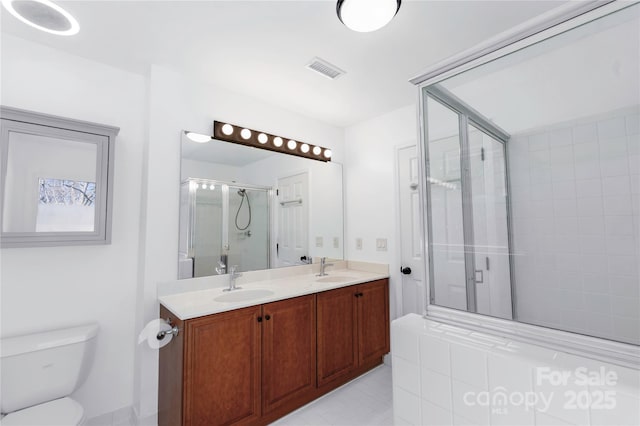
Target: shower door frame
<point>225,232</point>
<point>561,19</point>
<point>467,117</point>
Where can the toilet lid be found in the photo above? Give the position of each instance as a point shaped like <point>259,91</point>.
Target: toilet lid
<point>64,411</point>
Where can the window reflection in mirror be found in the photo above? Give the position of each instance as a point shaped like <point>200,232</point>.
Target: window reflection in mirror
<point>50,185</point>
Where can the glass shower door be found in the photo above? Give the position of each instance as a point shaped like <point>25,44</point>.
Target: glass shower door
<point>447,242</point>
<point>222,225</point>
<point>207,228</point>
<point>248,228</point>
<point>490,224</point>
<point>467,209</point>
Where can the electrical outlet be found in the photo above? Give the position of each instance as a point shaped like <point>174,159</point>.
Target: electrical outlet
<point>358,243</point>
<point>336,242</point>
<point>319,242</point>
<point>381,244</point>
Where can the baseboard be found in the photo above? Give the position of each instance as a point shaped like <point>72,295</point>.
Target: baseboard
<point>386,360</point>
<point>151,420</point>
<point>124,416</point>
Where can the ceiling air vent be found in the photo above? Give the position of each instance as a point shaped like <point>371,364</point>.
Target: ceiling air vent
<point>325,68</point>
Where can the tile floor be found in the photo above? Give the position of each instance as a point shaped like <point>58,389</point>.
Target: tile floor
<point>366,400</point>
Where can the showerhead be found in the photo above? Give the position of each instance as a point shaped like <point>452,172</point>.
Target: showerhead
<point>242,192</point>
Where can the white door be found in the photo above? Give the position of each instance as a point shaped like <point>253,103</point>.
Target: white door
<point>413,289</point>
<point>293,219</point>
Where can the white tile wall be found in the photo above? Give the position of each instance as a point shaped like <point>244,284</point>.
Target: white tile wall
<point>574,195</point>
<point>465,378</point>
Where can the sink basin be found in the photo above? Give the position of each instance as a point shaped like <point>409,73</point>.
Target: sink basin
<point>243,295</point>
<point>334,279</point>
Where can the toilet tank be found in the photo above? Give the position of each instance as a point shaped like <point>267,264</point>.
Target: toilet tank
<point>44,366</point>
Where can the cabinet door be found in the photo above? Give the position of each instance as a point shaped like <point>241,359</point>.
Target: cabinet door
<point>337,339</point>
<point>373,321</point>
<point>222,369</point>
<point>288,352</point>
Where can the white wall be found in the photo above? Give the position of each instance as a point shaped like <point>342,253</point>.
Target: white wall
<point>53,287</point>
<point>177,104</point>
<point>371,190</point>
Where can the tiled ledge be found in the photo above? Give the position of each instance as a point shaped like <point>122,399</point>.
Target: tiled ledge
<point>442,372</point>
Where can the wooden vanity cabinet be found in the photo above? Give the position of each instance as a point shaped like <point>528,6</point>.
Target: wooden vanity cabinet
<point>222,368</point>
<point>253,365</point>
<point>240,366</point>
<point>353,329</point>
<point>288,354</point>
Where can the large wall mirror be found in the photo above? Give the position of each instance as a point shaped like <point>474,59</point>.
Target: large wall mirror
<point>533,182</point>
<point>55,180</point>
<point>255,209</point>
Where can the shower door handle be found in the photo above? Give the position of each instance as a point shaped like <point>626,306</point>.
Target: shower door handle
<point>481,280</point>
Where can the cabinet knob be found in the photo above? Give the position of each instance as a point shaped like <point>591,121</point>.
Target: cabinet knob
<point>259,319</point>
<point>267,317</point>
<point>358,295</point>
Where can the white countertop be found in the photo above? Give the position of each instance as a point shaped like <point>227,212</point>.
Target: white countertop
<point>193,304</point>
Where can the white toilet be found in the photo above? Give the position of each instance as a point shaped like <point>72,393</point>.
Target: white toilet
<point>40,371</point>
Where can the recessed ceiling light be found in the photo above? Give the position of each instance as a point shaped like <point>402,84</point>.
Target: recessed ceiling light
<point>43,15</point>
<point>366,15</point>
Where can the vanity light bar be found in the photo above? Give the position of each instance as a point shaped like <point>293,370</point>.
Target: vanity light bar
<point>245,136</point>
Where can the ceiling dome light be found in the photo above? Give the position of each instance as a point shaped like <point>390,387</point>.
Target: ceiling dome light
<point>304,148</point>
<point>317,150</point>
<point>277,141</point>
<point>43,15</point>
<point>327,153</point>
<point>245,133</point>
<point>367,15</point>
<point>198,137</point>
<point>262,138</point>
<point>292,144</point>
<point>227,129</point>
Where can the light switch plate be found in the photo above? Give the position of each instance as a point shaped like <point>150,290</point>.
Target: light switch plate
<point>358,243</point>
<point>336,242</point>
<point>319,242</point>
<point>381,244</point>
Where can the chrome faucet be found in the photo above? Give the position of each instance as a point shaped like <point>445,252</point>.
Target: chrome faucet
<point>323,264</point>
<point>233,275</point>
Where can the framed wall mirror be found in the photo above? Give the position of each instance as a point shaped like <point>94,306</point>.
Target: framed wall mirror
<point>55,181</point>
<point>255,209</point>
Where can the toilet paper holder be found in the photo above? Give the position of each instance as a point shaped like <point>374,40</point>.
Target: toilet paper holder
<point>174,330</point>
